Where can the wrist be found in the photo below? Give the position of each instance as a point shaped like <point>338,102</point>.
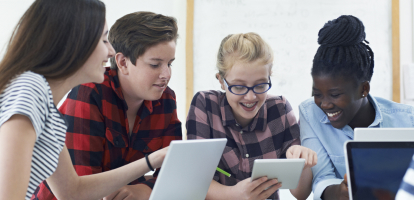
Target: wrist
<point>148,162</point>
<point>156,159</point>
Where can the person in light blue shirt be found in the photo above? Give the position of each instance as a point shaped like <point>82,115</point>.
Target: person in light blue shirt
<point>342,70</point>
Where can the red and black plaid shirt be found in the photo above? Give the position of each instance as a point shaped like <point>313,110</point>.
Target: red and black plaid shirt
<point>97,137</point>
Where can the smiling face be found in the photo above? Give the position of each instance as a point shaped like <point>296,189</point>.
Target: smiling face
<point>339,98</point>
<point>93,69</point>
<point>148,78</point>
<point>245,107</point>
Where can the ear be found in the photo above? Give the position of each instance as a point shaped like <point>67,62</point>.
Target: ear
<point>218,76</point>
<point>365,89</point>
<point>121,63</point>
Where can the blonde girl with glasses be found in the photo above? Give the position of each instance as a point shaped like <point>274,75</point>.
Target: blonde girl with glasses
<point>257,125</point>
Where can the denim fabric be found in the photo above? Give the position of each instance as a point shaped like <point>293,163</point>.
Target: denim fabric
<point>318,134</point>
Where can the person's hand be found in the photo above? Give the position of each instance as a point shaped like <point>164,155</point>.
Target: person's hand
<point>131,192</point>
<point>255,190</point>
<point>157,157</point>
<point>297,151</point>
<point>343,189</point>
<point>337,191</point>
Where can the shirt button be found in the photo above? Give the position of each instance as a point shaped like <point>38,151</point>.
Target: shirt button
<point>247,155</point>
<point>146,148</point>
<point>241,132</point>
<point>237,125</point>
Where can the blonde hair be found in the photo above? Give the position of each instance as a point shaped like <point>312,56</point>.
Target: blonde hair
<point>246,47</point>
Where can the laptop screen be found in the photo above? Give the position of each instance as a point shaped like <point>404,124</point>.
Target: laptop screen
<point>377,168</point>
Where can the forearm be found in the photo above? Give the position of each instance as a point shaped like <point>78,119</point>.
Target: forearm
<point>90,187</point>
<point>305,185</point>
<point>65,183</point>
<point>218,191</point>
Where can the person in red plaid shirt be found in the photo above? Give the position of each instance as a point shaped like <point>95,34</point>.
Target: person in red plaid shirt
<point>257,125</point>
<point>133,112</point>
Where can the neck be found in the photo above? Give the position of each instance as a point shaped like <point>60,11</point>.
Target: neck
<point>242,121</point>
<point>60,88</point>
<point>132,102</point>
<point>365,115</point>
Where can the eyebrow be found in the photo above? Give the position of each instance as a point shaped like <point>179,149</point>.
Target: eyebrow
<point>243,81</point>
<point>159,59</point>
<point>330,90</point>
<point>106,32</point>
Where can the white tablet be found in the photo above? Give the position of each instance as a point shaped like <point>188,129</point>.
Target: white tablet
<point>287,171</point>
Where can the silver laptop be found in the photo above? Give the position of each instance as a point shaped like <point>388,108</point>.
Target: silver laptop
<point>384,134</point>
<point>188,169</point>
<point>375,169</point>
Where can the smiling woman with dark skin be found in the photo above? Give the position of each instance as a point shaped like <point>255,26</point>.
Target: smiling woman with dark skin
<point>342,70</point>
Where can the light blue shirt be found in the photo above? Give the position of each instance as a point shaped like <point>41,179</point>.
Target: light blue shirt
<point>317,133</point>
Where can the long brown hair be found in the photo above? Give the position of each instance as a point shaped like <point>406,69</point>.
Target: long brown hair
<point>53,38</point>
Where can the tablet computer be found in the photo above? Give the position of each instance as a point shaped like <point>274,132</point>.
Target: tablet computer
<point>188,169</point>
<point>287,171</point>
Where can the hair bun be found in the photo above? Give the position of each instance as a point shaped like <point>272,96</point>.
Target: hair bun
<point>346,30</point>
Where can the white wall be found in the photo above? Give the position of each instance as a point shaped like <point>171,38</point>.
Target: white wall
<point>291,29</point>
<point>406,43</point>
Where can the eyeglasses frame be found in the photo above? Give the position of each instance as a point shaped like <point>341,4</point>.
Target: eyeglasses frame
<point>248,88</point>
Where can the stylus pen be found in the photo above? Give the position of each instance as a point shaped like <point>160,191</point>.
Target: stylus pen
<point>223,172</point>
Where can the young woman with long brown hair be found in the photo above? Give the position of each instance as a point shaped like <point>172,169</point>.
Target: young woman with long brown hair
<point>57,45</point>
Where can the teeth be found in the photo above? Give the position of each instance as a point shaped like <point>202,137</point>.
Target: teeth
<point>249,105</point>
<point>333,114</point>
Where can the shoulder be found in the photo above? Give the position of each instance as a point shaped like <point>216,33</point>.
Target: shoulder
<point>31,81</point>
<point>392,107</point>
<point>309,110</point>
<point>209,95</point>
<point>276,99</point>
<point>86,92</point>
<point>27,85</point>
<point>307,104</point>
<point>395,114</point>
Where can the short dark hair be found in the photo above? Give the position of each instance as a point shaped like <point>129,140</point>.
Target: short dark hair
<point>343,50</point>
<point>134,33</point>
<point>53,38</point>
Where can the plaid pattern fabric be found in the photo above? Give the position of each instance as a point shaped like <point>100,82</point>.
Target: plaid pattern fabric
<point>97,136</point>
<point>269,134</point>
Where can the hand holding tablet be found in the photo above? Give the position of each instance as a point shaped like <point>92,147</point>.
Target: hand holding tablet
<point>287,171</point>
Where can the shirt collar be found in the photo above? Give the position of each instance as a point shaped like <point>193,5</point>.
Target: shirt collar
<point>378,115</point>
<point>258,123</point>
<point>116,87</point>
